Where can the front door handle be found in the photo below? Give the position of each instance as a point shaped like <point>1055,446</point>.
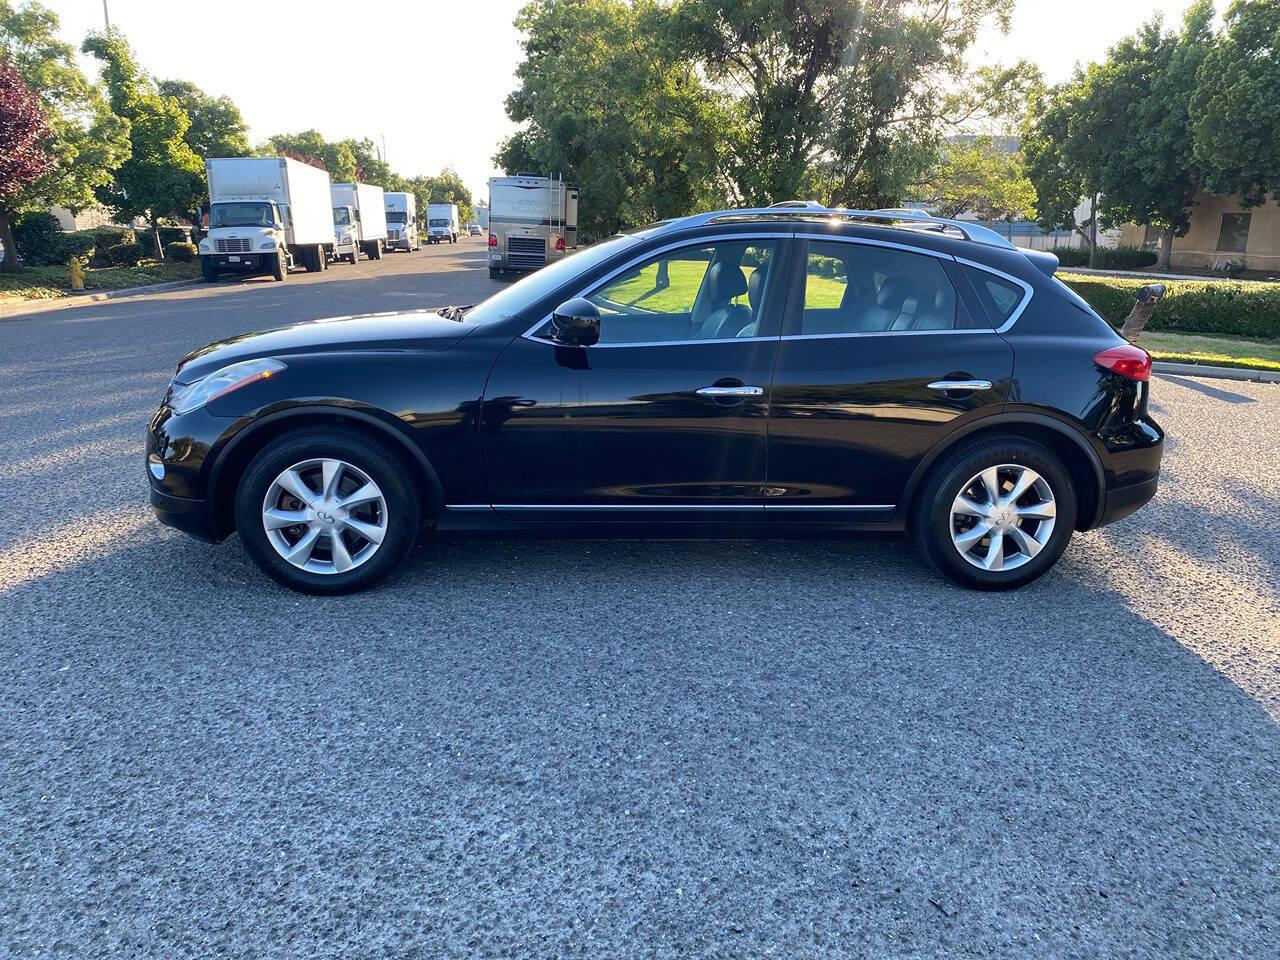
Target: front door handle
<point>948,386</point>
<point>743,391</point>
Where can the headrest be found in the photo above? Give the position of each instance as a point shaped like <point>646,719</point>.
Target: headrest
<point>727,282</point>
<point>755,285</point>
<point>894,292</point>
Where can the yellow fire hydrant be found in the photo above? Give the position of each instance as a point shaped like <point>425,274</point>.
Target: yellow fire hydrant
<point>77,275</point>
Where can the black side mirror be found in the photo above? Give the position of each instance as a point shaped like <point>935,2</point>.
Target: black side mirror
<point>576,322</point>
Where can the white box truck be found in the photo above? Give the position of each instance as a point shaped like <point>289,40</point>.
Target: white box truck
<point>532,221</point>
<point>359,220</point>
<point>442,223</point>
<point>402,221</point>
<point>266,214</point>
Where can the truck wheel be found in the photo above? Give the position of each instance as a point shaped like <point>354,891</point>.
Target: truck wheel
<point>375,252</point>
<point>280,267</point>
<point>312,257</point>
<point>355,254</point>
<point>208,270</point>
<point>493,273</point>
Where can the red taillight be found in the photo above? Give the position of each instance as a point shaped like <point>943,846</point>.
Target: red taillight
<point>1128,361</point>
<point>560,243</point>
<point>493,241</point>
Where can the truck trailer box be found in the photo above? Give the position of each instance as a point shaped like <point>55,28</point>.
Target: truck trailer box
<point>368,215</point>
<point>265,213</point>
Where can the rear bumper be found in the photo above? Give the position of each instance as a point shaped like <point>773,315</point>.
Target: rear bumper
<point>1122,501</point>
<point>189,516</point>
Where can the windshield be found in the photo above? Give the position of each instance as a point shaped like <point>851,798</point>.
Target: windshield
<point>535,286</point>
<point>246,214</point>
<point>439,222</point>
<point>341,215</point>
<point>396,216</point>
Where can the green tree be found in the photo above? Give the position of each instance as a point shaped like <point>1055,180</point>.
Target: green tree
<point>1236,107</point>
<point>845,101</point>
<point>162,176</point>
<point>606,99</point>
<point>1062,168</point>
<point>1138,119</point>
<point>217,129</point>
<point>982,175</point>
<point>86,141</point>
<point>445,187</point>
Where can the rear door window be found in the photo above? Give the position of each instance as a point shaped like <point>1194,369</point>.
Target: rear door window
<point>859,288</point>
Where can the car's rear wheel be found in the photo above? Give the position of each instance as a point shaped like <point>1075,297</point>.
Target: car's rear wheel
<point>996,513</point>
<point>327,511</point>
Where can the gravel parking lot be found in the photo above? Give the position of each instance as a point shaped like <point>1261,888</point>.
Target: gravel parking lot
<point>600,749</point>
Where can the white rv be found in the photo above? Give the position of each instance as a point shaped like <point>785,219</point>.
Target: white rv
<point>402,221</point>
<point>265,215</point>
<point>532,221</point>
<point>442,223</point>
<point>359,220</point>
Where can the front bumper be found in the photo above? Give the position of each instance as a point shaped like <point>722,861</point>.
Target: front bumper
<point>241,261</point>
<point>181,513</point>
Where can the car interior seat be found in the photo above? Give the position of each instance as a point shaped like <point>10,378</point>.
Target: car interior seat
<point>725,284</point>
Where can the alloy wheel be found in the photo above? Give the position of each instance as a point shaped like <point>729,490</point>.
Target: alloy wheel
<point>1003,517</point>
<point>325,516</point>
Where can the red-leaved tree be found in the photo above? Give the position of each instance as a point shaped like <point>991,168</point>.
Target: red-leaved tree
<point>23,158</point>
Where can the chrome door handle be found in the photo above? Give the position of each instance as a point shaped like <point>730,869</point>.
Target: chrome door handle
<point>949,385</point>
<point>731,391</point>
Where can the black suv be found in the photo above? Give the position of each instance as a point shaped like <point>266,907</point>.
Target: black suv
<point>748,372</point>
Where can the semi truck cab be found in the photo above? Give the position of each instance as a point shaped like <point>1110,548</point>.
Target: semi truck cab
<point>346,225</point>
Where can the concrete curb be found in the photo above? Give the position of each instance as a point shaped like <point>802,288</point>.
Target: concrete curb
<point>1216,373</point>
<point>97,296</point>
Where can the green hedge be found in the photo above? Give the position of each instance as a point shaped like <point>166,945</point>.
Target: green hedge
<point>125,254</point>
<point>1236,308</point>
<point>1071,256</point>
<point>181,252</point>
<point>1123,258</point>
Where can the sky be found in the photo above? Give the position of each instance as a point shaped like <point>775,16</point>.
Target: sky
<point>429,77</point>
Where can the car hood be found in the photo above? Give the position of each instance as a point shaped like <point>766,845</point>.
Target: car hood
<point>410,330</point>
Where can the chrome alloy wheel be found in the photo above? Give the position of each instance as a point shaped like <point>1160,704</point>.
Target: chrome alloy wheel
<point>1003,517</point>
<point>325,516</point>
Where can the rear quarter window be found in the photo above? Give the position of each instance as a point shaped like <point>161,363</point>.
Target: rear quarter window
<point>999,297</point>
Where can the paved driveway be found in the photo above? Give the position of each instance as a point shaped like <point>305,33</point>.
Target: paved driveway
<point>598,749</point>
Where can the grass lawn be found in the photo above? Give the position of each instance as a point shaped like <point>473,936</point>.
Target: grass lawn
<point>684,277</point>
<point>1215,351</point>
<point>47,283</point>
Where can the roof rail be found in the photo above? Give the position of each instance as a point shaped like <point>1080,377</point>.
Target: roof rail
<point>909,219</point>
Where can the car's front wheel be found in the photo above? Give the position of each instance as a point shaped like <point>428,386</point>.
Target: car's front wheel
<point>995,513</point>
<point>327,511</point>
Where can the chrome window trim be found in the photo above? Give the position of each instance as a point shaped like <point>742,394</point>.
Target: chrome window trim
<point>830,506</point>
<point>1026,288</point>
<point>980,331</point>
<point>753,507</point>
<point>658,251</point>
<point>869,242</point>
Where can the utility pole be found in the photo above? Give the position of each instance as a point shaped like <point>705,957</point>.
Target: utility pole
<point>384,138</point>
<point>105,15</point>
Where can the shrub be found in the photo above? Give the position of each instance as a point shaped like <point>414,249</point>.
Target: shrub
<point>1072,256</point>
<point>181,252</point>
<point>125,254</point>
<point>1122,258</point>
<point>1238,309</point>
<point>38,237</point>
<point>168,235</point>
<point>79,245</point>
<point>103,239</point>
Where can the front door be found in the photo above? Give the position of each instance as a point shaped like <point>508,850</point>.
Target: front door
<point>667,415</point>
<point>878,361</point>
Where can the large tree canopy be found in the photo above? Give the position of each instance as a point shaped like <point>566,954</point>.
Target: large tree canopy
<point>609,102</point>
<point>1236,108</point>
<point>217,129</point>
<point>348,161</point>
<point>23,158</point>
<point>86,140</point>
<point>162,176</point>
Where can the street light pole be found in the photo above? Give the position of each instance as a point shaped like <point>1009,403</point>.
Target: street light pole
<point>105,15</point>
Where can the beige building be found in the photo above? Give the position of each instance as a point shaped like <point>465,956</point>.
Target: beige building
<point>1221,231</point>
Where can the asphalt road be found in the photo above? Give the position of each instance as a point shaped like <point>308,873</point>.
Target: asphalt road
<point>604,749</point>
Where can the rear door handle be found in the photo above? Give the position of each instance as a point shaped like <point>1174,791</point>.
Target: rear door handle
<point>743,391</point>
<point>970,385</point>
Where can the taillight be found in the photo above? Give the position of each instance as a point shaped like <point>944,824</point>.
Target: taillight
<point>1128,361</point>
<point>493,241</point>
<point>560,243</point>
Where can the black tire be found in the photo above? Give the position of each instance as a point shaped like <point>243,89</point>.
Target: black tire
<point>931,518</point>
<point>208,270</point>
<point>493,273</point>
<point>380,463</point>
<point>312,259</point>
<point>280,266</point>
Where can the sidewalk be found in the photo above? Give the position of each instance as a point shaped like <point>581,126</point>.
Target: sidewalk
<point>1215,373</point>
<point>20,307</point>
<point>1143,275</point>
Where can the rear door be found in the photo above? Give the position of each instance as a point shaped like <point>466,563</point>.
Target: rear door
<point>879,359</point>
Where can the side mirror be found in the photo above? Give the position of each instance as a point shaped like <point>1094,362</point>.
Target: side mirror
<point>576,322</point>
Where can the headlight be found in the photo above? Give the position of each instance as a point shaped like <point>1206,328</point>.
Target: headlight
<point>204,246</point>
<point>267,245</point>
<point>221,382</point>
